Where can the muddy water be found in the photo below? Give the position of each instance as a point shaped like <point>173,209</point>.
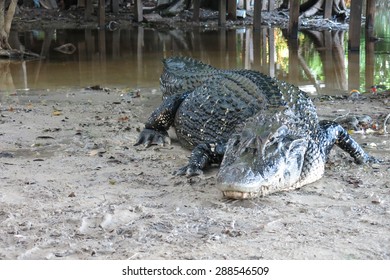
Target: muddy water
<point>319,62</point>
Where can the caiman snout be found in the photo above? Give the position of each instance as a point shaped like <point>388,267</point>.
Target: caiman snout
<point>256,166</point>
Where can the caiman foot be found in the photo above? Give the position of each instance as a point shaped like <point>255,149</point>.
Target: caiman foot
<point>189,171</point>
<point>201,156</point>
<point>150,137</point>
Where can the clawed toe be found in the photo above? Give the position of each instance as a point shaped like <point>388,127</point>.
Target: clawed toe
<point>188,171</point>
<point>149,137</point>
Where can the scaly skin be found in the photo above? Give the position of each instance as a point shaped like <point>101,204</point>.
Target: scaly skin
<point>265,131</point>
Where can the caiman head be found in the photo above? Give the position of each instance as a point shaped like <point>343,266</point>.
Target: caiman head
<point>265,157</point>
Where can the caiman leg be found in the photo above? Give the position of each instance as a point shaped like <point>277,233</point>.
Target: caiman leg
<point>201,156</point>
<point>331,133</point>
<point>155,131</point>
<point>336,134</point>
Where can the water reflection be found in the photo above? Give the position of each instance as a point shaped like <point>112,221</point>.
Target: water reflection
<point>318,61</point>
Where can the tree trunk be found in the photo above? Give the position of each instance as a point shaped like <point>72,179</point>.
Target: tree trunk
<point>6,18</point>
<point>330,46</point>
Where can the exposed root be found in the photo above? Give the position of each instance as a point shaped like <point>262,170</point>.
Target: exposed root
<point>314,9</point>
<point>17,54</point>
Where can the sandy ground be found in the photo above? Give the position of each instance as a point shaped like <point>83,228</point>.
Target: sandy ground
<point>73,186</point>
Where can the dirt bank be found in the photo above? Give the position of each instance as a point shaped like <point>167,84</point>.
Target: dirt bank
<point>74,187</point>
<point>73,18</point>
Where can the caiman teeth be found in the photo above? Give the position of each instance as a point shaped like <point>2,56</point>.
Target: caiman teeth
<point>240,195</point>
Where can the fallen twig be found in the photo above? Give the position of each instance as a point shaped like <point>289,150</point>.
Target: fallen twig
<point>384,124</point>
<point>341,117</point>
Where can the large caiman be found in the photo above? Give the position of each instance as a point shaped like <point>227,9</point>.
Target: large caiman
<point>264,132</point>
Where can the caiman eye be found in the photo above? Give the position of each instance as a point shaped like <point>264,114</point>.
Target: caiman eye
<point>250,150</point>
<point>236,142</point>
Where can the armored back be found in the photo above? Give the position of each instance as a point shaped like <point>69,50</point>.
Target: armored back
<point>182,74</point>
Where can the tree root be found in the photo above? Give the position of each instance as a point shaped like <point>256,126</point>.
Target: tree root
<point>314,9</point>
<point>18,55</point>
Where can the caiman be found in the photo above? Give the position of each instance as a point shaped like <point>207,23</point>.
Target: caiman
<point>264,132</point>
